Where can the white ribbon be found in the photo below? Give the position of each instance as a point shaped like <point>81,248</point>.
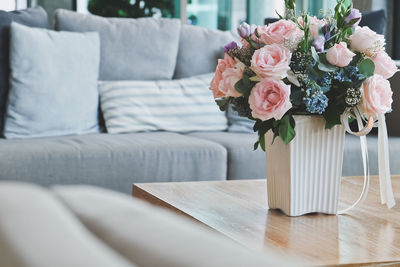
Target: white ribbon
<point>383,154</point>
<point>385,182</point>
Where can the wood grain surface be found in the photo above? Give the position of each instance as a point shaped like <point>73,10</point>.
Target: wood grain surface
<point>369,234</point>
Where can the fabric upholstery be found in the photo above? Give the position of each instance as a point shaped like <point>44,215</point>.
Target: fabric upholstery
<point>393,118</point>
<point>35,17</point>
<point>177,106</point>
<point>243,162</point>
<point>199,50</point>
<point>149,236</point>
<point>375,20</point>
<point>53,83</point>
<point>112,161</point>
<point>37,230</point>
<point>352,162</point>
<point>131,49</point>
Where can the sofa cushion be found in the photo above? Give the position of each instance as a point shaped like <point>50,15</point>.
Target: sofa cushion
<point>182,105</point>
<point>199,50</point>
<point>131,49</point>
<point>375,20</point>
<point>112,161</point>
<point>150,236</point>
<point>243,162</point>
<point>35,17</point>
<point>37,230</point>
<point>53,83</point>
<point>352,160</point>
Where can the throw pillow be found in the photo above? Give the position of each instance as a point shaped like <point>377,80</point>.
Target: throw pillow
<point>171,105</point>
<point>131,49</point>
<point>196,40</point>
<point>35,17</point>
<point>239,124</point>
<point>375,20</point>
<point>53,83</point>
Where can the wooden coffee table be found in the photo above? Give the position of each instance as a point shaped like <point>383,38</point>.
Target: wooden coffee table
<point>368,235</point>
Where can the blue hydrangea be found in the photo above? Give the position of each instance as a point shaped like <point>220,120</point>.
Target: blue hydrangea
<point>316,102</point>
<point>325,80</point>
<point>348,74</point>
<point>352,72</point>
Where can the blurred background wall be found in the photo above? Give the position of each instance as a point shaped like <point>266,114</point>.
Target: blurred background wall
<point>216,14</point>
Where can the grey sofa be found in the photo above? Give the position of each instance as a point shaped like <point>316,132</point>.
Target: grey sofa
<point>117,161</point>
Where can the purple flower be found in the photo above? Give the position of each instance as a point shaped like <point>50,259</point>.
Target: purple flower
<point>230,46</point>
<point>326,30</point>
<point>319,43</point>
<point>245,30</point>
<point>354,18</point>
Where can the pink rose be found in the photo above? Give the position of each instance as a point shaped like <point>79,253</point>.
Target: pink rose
<point>270,99</point>
<point>366,41</point>
<point>315,24</point>
<point>278,32</point>
<point>271,61</point>
<point>223,64</point>
<point>384,65</point>
<point>229,78</point>
<point>377,96</point>
<point>339,55</point>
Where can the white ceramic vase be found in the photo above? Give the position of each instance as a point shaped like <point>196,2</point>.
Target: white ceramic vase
<point>304,176</point>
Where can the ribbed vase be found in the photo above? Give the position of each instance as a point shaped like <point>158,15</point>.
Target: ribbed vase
<point>304,176</point>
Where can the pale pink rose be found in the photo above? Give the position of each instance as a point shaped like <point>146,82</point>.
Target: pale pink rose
<point>278,32</point>
<point>271,61</point>
<point>384,65</point>
<point>229,78</point>
<point>315,24</point>
<point>339,55</point>
<point>223,64</point>
<point>366,41</point>
<point>270,99</point>
<point>377,96</point>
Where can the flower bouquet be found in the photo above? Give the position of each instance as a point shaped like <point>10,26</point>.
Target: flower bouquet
<point>328,70</point>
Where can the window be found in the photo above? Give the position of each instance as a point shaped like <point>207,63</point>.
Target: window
<point>7,5</point>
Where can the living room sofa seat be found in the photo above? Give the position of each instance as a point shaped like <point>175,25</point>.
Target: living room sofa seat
<point>112,161</point>
<point>243,162</point>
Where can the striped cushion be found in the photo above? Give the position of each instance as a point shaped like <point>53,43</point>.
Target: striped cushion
<point>173,105</point>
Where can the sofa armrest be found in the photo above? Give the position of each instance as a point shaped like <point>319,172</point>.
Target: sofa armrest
<point>37,230</point>
<point>151,236</point>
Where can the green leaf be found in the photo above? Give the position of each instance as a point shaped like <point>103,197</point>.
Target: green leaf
<point>244,85</point>
<point>286,128</point>
<point>326,67</point>
<point>366,67</point>
<point>314,54</point>
<point>262,142</point>
<point>332,115</point>
<point>257,125</point>
<point>222,103</point>
<point>256,145</point>
<point>265,126</point>
<point>296,97</point>
<point>279,15</point>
